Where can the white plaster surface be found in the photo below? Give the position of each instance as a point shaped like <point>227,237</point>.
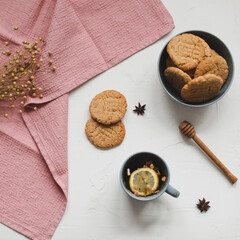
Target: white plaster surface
<point>98,208</point>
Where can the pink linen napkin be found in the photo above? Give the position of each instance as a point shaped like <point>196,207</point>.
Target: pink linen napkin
<point>86,37</point>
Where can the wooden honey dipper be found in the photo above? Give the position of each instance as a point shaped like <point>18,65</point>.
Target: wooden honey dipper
<point>188,130</point>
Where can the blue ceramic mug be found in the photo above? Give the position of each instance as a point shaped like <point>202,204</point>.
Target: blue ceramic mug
<point>138,160</point>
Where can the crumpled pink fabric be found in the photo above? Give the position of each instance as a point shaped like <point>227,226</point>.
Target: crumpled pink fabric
<point>86,37</point>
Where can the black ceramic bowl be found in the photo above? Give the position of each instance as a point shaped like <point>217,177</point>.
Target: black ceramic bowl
<point>214,43</point>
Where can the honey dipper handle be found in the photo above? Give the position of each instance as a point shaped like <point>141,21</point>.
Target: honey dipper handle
<point>229,175</point>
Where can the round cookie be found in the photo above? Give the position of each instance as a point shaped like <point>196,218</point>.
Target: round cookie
<point>186,51</point>
<point>169,63</point>
<point>208,50</point>
<point>216,65</point>
<point>105,136</point>
<point>176,77</point>
<point>202,89</point>
<point>108,107</point>
<point>191,72</point>
<point>214,53</point>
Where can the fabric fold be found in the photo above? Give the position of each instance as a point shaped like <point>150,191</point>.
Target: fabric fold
<point>48,127</point>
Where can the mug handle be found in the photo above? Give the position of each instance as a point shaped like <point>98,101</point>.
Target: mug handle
<point>172,191</point>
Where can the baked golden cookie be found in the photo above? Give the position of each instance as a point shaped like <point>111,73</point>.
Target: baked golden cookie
<point>208,50</point>
<point>169,63</point>
<point>202,89</point>
<point>191,72</point>
<point>105,136</point>
<point>176,78</point>
<point>214,53</point>
<point>108,107</point>
<point>216,65</point>
<point>187,50</point>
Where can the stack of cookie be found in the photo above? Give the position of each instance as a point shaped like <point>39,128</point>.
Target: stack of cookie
<point>193,69</point>
<point>105,128</point>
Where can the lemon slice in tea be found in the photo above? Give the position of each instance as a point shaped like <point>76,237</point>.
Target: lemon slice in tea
<point>143,181</point>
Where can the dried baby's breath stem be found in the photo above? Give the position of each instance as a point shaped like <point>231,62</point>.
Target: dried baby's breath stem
<point>19,73</point>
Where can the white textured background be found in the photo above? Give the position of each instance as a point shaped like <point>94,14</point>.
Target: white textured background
<point>98,208</point>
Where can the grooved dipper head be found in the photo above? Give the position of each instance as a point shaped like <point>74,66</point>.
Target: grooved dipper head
<point>187,129</point>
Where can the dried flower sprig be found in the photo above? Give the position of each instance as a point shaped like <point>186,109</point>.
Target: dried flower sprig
<point>18,75</point>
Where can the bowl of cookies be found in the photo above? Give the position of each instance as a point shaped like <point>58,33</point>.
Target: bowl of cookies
<point>196,68</point>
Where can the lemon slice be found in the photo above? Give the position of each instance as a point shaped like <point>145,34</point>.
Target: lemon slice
<point>143,181</point>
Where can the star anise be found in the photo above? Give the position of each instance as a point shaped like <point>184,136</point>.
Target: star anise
<point>203,205</point>
<point>140,109</point>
